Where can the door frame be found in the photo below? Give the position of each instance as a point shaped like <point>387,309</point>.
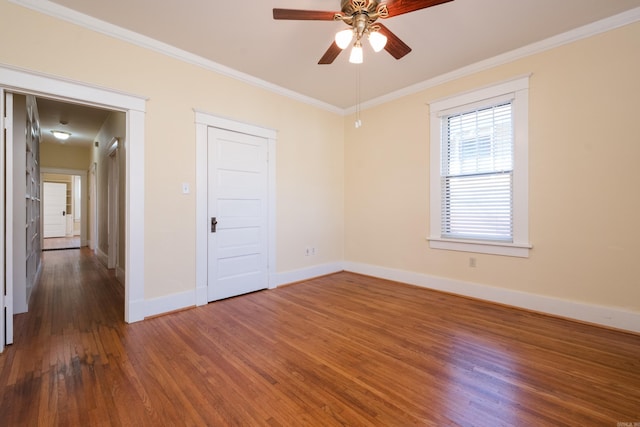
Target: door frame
<point>45,200</point>
<point>92,207</point>
<point>113,192</point>
<point>2,237</point>
<point>83,186</point>
<point>23,81</point>
<point>6,214</point>
<point>203,122</point>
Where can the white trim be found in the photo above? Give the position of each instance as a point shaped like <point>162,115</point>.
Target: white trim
<point>169,303</point>
<point>7,202</point>
<point>134,216</point>
<point>294,276</point>
<point>113,205</point>
<point>201,213</point>
<point>93,24</point>
<point>204,120</point>
<point>57,11</point>
<point>503,89</point>
<point>516,88</point>
<point>20,80</point>
<point>2,208</point>
<point>83,188</point>
<point>613,317</point>
<point>120,274</point>
<point>506,249</point>
<point>92,206</point>
<point>589,30</point>
<point>102,257</point>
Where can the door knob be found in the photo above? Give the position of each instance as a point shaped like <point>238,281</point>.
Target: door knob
<point>214,223</point>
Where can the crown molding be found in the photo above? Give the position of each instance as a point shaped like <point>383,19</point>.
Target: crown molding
<point>69,15</point>
<point>579,33</point>
<point>57,11</point>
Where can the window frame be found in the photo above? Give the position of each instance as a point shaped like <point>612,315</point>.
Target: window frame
<point>518,90</point>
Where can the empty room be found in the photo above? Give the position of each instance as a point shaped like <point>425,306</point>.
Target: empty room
<point>436,227</point>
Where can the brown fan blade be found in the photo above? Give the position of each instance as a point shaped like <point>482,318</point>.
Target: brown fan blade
<point>304,15</point>
<point>396,47</point>
<point>331,54</point>
<point>398,7</point>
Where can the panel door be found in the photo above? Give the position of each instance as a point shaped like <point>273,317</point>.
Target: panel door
<point>237,207</point>
<point>54,211</point>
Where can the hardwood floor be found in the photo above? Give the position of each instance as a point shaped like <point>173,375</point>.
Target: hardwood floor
<point>58,243</point>
<point>338,350</point>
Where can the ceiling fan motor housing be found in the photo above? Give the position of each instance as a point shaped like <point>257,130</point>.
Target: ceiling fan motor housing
<point>350,7</point>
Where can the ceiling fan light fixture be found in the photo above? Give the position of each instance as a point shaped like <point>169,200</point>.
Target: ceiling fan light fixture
<point>378,41</point>
<point>356,55</point>
<point>343,38</point>
<point>61,135</point>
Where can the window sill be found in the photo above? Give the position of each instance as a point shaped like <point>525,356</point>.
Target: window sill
<point>492,248</point>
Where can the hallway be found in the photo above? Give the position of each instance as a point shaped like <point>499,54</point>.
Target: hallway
<point>60,243</point>
<point>75,311</point>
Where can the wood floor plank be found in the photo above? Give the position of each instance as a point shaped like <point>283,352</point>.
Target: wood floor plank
<point>339,350</point>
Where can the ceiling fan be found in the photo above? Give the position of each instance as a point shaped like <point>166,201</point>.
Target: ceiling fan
<point>361,17</point>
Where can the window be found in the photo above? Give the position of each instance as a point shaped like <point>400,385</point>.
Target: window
<point>479,168</point>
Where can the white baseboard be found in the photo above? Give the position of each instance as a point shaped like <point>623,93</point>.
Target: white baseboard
<point>293,276</point>
<point>120,274</point>
<point>102,257</point>
<point>613,317</point>
<point>202,295</point>
<point>166,304</point>
<point>169,303</point>
<point>135,311</point>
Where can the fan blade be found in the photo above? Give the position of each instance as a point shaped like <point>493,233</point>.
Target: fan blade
<point>398,7</point>
<point>306,15</point>
<point>331,54</point>
<point>396,47</point>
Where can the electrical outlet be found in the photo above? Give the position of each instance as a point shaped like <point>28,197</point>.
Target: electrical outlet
<point>472,262</point>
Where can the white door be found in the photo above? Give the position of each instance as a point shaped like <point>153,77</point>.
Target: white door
<point>237,206</point>
<point>112,205</point>
<point>93,209</point>
<point>54,220</point>
<point>6,302</point>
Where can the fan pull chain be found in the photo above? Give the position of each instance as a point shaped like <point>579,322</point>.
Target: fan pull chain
<point>358,121</point>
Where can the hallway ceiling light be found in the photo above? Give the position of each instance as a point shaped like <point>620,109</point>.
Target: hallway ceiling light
<point>61,135</point>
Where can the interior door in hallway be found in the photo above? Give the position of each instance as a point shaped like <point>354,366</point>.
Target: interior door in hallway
<point>6,302</point>
<point>54,210</point>
<point>237,207</point>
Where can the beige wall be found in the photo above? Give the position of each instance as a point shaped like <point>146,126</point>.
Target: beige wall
<point>64,156</point>
<point>584,203</point>
<point>583,181</point>
<point>309,145</point>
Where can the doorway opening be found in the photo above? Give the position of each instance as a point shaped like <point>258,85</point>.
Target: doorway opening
<point>213,211</point>
<point>19,81</point>
<point>62,211</point>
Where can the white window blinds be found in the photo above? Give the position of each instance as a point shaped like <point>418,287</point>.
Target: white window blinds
<point>477,174</point>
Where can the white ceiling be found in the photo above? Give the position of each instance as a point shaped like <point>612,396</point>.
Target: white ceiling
<point>244,37</point>
<point>81,121</point>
